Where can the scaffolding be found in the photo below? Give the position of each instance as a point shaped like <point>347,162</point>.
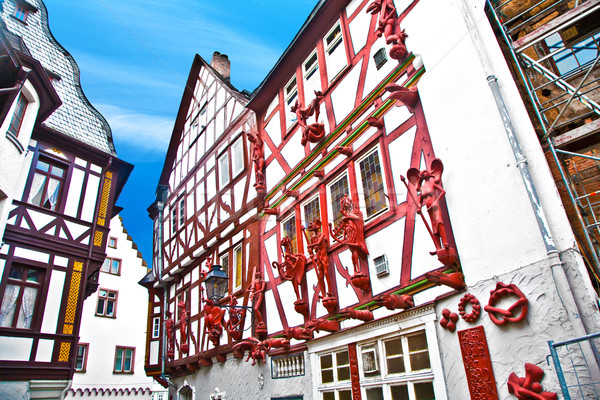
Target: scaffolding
<point>555,51</point>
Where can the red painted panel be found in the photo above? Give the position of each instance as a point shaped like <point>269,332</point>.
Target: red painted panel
<point>478,364</point>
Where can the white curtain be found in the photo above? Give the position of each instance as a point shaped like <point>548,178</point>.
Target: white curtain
<point>7,310</point>
<point>27,308</point>
<point>53,189</point>
<point>36,193</point>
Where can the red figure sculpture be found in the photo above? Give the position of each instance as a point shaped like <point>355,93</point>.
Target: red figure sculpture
<point>323,324</point>
<point>363,315</point>
<point>449,320</point>
<point>292,269</point>
<point>351,232</point>
<point>233,324</point>
<point>502,290</point>
<point>258,350</point>
<point>475,313</point>
<point>170,328</point>
<point>258,157</point>
<point>394,301</point>
<point>389,27</point>
<point>529,388</point>
<point>299,333</point>
<point>429,192</point>
<point>313,132</point>
<point>213,318</point>
<point>317,246</point>
<point>183,321</point>
<point>455,280</point>
<point>405,96</point>
<point>256,290</point>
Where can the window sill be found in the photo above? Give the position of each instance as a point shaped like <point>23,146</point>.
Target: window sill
<point>122,373</point>
<point>18,19</point>
<point>106,316</point>
<point>15,141</point>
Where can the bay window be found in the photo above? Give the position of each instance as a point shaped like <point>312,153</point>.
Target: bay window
<point>21,297</point>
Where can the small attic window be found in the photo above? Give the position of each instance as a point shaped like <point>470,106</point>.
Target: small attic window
<point>380,58</point>
<point>22,10</point>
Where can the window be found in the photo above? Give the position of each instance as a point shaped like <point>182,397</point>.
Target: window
<point>18,115</point>
<point>81,357</point>
<point>46,186</point>
<point>182,212</point>
<point>335,54</point>
<point>380,58</point>
<point>112,242</point>
<point>290,92</point>
<point>237,153</point>
<point>21,13</point>
<point>237,273</point>
<point>312,78</point>
<point>155,327</point>
<point>111,266</point>
<point>312,211</point>
<point>21,297</point>
<point>373,186</point>
<point>335,376</point>
<point>569,58</point>
<point>124,360</point>
<point>223,170</point>
<point>174,218</point>
<point>107,303</point>
<point>337,190</point>
<point>288,230</point>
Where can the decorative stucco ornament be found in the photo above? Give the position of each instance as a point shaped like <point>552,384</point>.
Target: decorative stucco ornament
<point>403,95</point>
<point>317,246</point>
<point>529,387</point>
<point>517,312</point>
<point>316,131</point>
<point>476,308</point>
<point>449,320</point>
<point>292,269</point>
<point>323,324</point>
<point>299,333</point>
<point>351,232</point>
<point>428,186</point>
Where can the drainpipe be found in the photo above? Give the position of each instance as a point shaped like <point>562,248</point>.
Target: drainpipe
<point>560,278</point>
<point>161,199</point>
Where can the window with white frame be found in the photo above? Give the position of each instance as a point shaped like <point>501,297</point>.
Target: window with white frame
<point>288,230</point>
<point>337,190</point>
<point>223,170</point>
<point>311,77</point>
<point>334,377</point>
<point>335,53</point>
<point>155,327</point>
<point>372,184</point>
<point>182,211</point>
<point>237,267</point>
<point>290,92</point>
<point>237,155</point>
<point>111,266</point>
<point>174,218</point>
<point>311,210</point>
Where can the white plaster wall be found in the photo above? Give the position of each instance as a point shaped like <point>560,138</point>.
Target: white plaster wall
<point>127,329</point>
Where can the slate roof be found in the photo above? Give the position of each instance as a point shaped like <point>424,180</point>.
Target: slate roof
<point>76,117</point>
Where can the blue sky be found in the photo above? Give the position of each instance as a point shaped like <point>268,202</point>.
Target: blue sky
<point>135,56</point>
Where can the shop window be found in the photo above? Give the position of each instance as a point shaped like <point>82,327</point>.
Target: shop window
<point>288,229</point>
<point>373,186</point>
<point>81,357</point>
<point>337,190</point>
<point>20,301</point>
<point>124,360</point>
<point>335,53</point>
<point>107,303</point>
<point>47,184</point>
<point>111,266</point>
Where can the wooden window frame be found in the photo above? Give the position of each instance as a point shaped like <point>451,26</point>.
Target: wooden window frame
<point>52,162</point>
<point>333,204</point>
<point>114,240</point>
<point>18,116</point>
<point>329,48</point>
<point>83,368</point>
<point>106,299</point>
<point>237,286</point>
<point>109,271</point>
<point>361,188</point>
<point>155,334</point>
<point>18,302</point>
<point>132,363</point>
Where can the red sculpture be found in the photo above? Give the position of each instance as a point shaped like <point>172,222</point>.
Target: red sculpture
<point>475,313</point>
<point>429,192</point>
<point>529,388</point>
<point>299,333</point>
<point>394,301</point>
<point>213,318</point>
<point>478,363</point>
<point>256,290</point>
<point>323,324</point>
<point>502,290</point>
<point>170,328</point>
<point>449,320</point>
<point>258,350</point>
<point>317,246</point>
<point>405,96</point>
<point>292,269</point>
<point>455,280</point>
<point>363,315</point>
<point>233,324</point>
<point>389,27</point>
<point>351,232</point>
<point>183,321</point>
<point>313,132</point>
<point>258,157</point>
<point>345,150</point>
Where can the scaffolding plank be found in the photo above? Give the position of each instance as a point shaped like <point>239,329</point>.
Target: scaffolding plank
<point>556,24</point>
<point>577,133</point>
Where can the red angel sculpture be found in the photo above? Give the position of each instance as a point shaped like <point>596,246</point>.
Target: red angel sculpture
<point>313,132</point>
<point>429,192</point>
<point>292,269</point>
<point>351,232</point>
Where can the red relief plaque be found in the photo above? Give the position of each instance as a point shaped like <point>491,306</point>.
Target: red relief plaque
<point>354,377</point>
<point>478,365</point>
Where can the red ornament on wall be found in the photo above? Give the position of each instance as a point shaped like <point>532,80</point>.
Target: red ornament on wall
<point>317,247</point>
<point>395,301</point>
<point>316,131</point>
<point>517,312</point>
<point>256,290</point>
<point>389,27</point>
<point>529,388</point>
<point>213,318</point>
<point>170,329</point>
<point>354,375</point>
<point>449,320</point>
<point>478,364</point>
<point>258,158</point>
<point>292,269</point>
<point>476,308</point>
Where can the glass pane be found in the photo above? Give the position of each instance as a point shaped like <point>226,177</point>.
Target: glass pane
<point>119,361</point>
<point>344,374</point>
<point>112,295</point>
<point>238,155</point>
<point>128,354</point>
<point>342,358</point>
<point>312,211</point>
<point>57,171</point>
<point>238,267</point>
<point>395,365</point>
<point>393,347</point>
<point>100,308</point>
<point>326,361</point>
<point>375,394</point>
<point>7,312</point>
<point>417,342</point>
<point>115,266</point>
<point>52,194</point>
<point>16,272</point>
<point>110,308</point>
<point>27,307</point>
<point>105,265</point>
<point>345,395</point>
<point>337,191</point>
<point>327,376</point>
<point>424,391</point>
<point>289,231</point>
<point>419,361</point>
<point>43,166</point>
<point>400,392</point>
<point>372,181</point>
<point>36,193</point>
<point>328,396</point>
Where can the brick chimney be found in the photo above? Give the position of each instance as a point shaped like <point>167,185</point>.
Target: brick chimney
<point>221,64</point>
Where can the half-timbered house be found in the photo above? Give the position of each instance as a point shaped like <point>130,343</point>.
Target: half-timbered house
<point>57,223</point>
<point>411,241</point>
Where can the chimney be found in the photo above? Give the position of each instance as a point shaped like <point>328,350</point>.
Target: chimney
<point>220,62</point>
